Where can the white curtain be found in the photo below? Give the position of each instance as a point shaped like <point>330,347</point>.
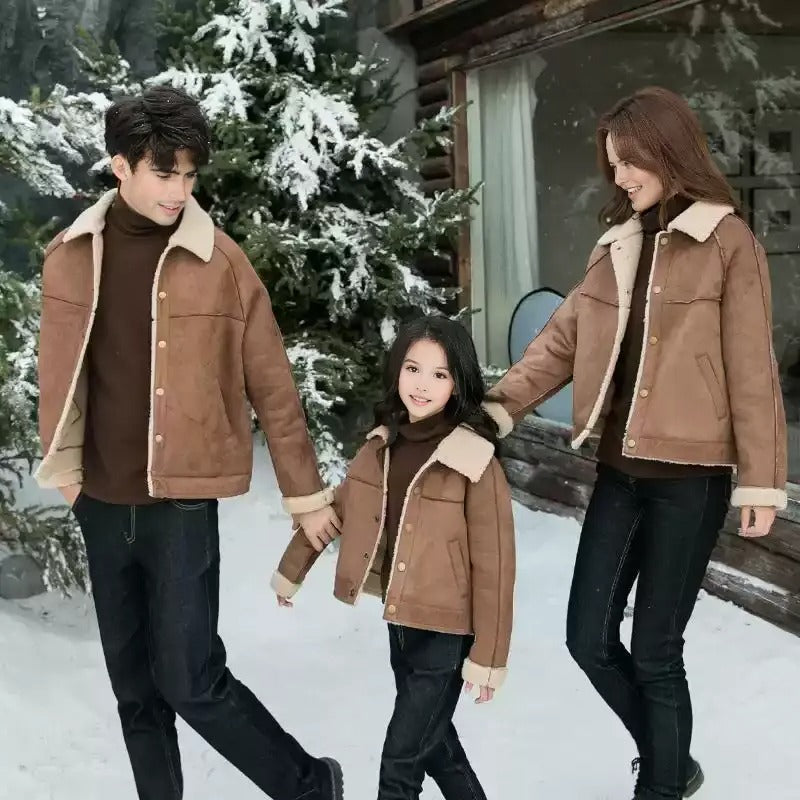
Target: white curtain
<point>504,236</point>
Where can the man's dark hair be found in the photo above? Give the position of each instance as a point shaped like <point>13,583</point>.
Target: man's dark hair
<point>155,126</point>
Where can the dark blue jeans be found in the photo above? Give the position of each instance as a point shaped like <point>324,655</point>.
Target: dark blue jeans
<point>421,738</point>
<point>661,532</point>
<point>155,578</point>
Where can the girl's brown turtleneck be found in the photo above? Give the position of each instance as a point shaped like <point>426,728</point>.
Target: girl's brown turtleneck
<point>414,445</point>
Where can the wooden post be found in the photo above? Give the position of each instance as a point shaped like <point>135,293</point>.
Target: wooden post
<point>461,181</point>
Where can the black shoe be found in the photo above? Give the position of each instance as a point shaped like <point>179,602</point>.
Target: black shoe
<point>694,778</point>
<point>332,782</point>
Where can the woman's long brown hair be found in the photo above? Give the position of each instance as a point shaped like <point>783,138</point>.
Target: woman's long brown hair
<point>655,129</point>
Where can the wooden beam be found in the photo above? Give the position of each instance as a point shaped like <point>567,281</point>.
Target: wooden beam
<point>557,8</point>
<point>434,91</point>
<point>430,264</point>
<point>436,185</point>
<point>437,69</point>
<point>759,562</point>
<point>437,167</point>
<point>771,604</point>
<point>435,43</point>
<point>583,21</point>
<point>461,180</point>
<point>431,110</point>
<point>404,20</point>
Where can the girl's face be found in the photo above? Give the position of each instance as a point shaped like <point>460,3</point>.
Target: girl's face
<point>425,383</point>
<point>644,188</point>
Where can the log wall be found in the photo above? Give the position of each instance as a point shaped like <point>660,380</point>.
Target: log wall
<point>760,575</point>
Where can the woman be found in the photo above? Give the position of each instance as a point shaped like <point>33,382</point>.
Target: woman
<point>668,340</point>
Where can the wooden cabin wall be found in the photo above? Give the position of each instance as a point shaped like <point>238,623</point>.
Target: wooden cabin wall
<point>761,575</point>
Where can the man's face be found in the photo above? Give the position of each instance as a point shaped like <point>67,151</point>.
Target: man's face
<point>159,196</point>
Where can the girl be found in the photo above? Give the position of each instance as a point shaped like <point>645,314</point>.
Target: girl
<point>427,526</point>
<point>668,341</point>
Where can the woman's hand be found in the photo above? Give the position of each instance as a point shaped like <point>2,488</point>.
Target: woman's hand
<point>487,693</point>
<point>761,525</point>
<point>284,602</point>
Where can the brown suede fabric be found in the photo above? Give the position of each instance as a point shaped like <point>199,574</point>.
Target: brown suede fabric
<point>454,563</point>
<point>118,360</point>
<point>707,389</point>
<point>611,448</point>
<point>215,345</point>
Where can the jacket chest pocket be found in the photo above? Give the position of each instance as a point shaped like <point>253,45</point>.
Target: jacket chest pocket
<point>440,485</point>
<point>599,286</point>
<point>689,280</point>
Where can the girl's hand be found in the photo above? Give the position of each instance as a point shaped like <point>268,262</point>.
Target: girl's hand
<point>284,602</point>
<point>487,693</point>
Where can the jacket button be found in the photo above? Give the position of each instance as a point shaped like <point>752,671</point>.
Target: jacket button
<point>656,290</point>
<point>644,393</point>
<point>401,567</point>
<point>409,528</point>
<point>377,518</point>
<point>654,340</point>
<point>352,593</point>
<point>160,392</point>
<point>391,609</point>
<point>631,443</point>
<point>366,555</point>
<point>162,344</point>
<point>664,241</point>
<point>159,438</point>
<point>162,295</point>
<point>417,490</point>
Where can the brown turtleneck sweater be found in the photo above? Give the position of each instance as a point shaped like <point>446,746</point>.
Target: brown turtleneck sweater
<point>413,446</point>
<point>611,443</point>
<point>118,358</point>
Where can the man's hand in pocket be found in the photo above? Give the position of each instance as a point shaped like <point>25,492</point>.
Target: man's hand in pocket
<point>70,493</point>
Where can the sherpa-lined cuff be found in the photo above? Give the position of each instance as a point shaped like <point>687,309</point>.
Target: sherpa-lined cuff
<point>753,496</point>
<point>308,502</point>
<point>473,673</point>
<point>73,477</point>
<point>503,419</point>
<point>282,586</point>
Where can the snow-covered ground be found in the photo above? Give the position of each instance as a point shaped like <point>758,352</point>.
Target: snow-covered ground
<point>322,669</point>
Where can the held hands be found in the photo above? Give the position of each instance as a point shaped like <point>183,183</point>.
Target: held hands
<point>284,602</point>
<point>320,527</point>
<point>487,693</point>
<point>760,526</point>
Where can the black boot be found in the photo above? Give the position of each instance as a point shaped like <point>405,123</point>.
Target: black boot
<point>332,781</point>
<point>694,778</point>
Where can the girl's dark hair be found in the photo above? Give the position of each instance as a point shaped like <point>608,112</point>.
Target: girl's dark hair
<point>469,390</point>
<point>655,129</point>
<point>155,126</point>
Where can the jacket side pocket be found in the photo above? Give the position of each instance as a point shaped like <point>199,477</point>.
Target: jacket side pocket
<point>712,384</point>
<point>457,565</point>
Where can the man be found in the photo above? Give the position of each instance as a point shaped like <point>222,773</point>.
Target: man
<point>155,333</point>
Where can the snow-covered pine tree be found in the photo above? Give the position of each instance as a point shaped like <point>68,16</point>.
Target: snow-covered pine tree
<point>329,215</point>
<point>43,143</point>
